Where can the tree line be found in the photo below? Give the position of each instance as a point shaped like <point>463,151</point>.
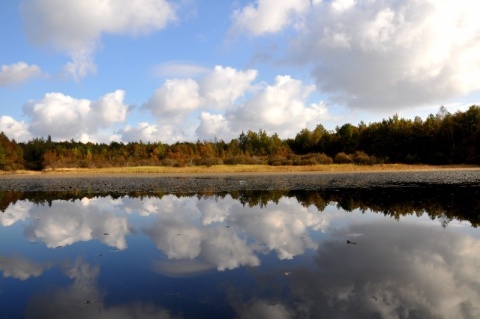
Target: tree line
<point>443,138</point>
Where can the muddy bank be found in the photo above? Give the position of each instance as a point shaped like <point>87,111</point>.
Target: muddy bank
<point>194,183</point>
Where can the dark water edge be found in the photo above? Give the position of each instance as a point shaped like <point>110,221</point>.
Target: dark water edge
<point>446,201</point>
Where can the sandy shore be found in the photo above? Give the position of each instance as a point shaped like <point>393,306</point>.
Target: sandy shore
<point>204,182</point>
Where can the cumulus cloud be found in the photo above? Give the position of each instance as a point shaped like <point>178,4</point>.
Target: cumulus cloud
<point>142,132</point>
<point>219,88</point>
<point>14,129</point>
<point>174,98</point>
<point>229,101</point>
<point>391,54</point>
<point>176,101</point>
<point>224,85</point>
<point>214,126</point>
<point>18,73</point>
<point>377,54</point>
<point>268,16</point>
<point>281,108</point>
<point>64,117</point>
<point>75,27</point>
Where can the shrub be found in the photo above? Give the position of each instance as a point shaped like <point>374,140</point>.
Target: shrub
<point>246,160</point>
<point>361,158</point>
<point>207,161</point>
<point>342,158</point>
<point>311,159</point>
<point>323,158</point>
<point>278,161</point>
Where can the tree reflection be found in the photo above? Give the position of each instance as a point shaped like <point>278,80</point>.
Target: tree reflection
<point>444,202</point>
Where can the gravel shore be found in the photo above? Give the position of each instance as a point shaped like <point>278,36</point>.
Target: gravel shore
<point>199,183</point>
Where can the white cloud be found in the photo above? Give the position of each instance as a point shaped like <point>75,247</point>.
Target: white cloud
<point>391,54</point>
<point>214,126</point>
<point>174,98</point>
<point>230,102</point>
<point>224,85</point>
<point>176,102</point>
<point>142,132</point>
<point>279,108</point>
<point>268,16</point>
<point>14,129</point>
<point>82,64</point>
<point>63,117</point>
<point>219,89</point>
<point>18,73</point>
<point>109,109</point>
<point>75,27</point>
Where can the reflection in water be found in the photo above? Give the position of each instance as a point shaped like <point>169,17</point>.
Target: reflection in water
<point>408,272</point>
<point>82,298</point>
<point>242,255</point>
<point>446,202</point>
<point>20,268</point>
<point>66,223</point>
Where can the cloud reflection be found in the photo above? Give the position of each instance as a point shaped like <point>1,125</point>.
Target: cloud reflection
<point>222,233</point>
<point>84,299</point>
<point>65,223</point>
<point>21,268</point>
<point>16,212</point>
<point>394,272</point>
<point>226,234</point>
<point>262,309</point>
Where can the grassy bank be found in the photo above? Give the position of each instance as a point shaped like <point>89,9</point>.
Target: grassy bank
<point>226,169</point>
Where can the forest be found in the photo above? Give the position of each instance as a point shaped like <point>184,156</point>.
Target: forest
<point>443,138</point>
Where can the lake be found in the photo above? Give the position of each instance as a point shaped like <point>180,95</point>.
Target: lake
<point>396,252</point>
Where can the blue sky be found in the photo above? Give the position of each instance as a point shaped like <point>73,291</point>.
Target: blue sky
<point>159,70</point>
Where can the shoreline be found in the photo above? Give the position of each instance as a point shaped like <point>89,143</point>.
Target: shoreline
<point>219,170</point>
<point>154,183</point>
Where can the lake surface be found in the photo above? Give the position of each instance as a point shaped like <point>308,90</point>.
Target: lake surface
<point>358,253</point>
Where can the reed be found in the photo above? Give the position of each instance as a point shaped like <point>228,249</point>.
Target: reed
<point>227,169</point>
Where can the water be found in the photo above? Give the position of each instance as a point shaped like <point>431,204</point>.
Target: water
<point>394,253</point>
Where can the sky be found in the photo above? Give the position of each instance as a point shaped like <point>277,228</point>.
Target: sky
<point>188,70</point>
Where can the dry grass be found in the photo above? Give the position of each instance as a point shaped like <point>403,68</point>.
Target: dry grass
<point>226,169</point>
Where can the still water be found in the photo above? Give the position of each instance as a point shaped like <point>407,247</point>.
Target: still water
<point>390,254</point>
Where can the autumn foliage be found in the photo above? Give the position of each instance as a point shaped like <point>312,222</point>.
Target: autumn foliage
<point>443,138</point>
